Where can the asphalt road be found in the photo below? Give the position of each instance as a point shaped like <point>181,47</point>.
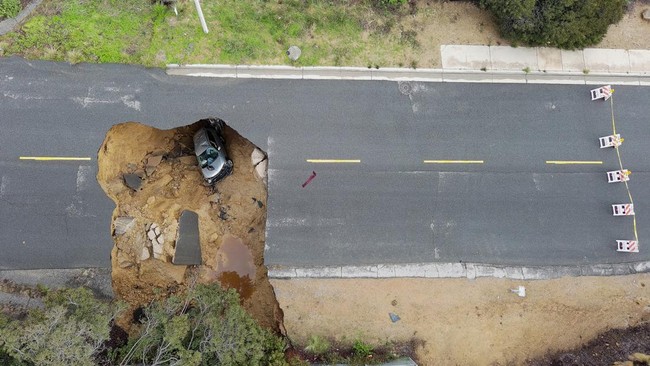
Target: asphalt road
<point>390,207</point>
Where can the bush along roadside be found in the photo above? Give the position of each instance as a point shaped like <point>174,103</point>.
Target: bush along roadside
<point>567,24</point>
<point>9,8</point>
<point>205,326</point>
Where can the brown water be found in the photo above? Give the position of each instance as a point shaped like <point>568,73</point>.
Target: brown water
<point>235,267</point>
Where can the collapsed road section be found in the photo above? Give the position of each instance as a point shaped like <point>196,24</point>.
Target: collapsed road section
<point>154,178</point>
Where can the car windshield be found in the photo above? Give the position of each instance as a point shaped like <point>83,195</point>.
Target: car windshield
<point>208,157</point>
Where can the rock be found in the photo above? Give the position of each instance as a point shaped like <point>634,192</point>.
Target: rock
<point>145,254</point>
<point>149,170</point>
<point>161,239</point>
<point>646,14</point>
<point>124,260</point>
<point>122,224</point>
<point>153,225</point>
<point>214,198</point>
<point>154,161</point>
<point>151,200</point>
<point>163,273</point>
<point>257,156</point>
<point>132,181</point>
<point>260,170</point>
<point>151,235</point>
<point>156,230</point>
<point>157,250</point>
<point>188,160</point>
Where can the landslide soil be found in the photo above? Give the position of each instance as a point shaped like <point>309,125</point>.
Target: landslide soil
<point>231,214</point>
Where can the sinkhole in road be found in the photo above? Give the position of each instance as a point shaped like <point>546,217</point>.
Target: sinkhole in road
<point>152,175</point>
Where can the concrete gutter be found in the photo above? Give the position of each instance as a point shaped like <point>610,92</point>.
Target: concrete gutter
<point>457,270</point>
<point>402,74</point>
<point>9,25</point>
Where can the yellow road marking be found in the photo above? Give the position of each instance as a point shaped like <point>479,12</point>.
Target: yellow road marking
<point>453,162</point>
<point>567,162</point>
<point>333,160</point>
<point>50,158</point>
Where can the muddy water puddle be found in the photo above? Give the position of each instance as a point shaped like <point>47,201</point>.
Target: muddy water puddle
<point>235,266</point>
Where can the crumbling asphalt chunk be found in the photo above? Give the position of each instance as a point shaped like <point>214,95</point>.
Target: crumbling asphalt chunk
<point>188,246</point>
<point>132,181</point>
<point>122,224</point>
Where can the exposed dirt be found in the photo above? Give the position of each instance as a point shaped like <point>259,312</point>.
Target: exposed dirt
<point>612,346</point>
<point>234,211</point>
<point>437,23</point>
<point>465,322</point>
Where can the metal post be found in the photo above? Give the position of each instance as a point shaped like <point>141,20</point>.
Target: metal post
<point>198,9</point>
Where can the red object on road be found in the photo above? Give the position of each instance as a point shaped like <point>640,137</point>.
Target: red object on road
<point>311,177</point>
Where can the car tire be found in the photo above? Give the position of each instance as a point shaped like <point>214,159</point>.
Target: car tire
<point>228,167</point>
<point>218,124</point>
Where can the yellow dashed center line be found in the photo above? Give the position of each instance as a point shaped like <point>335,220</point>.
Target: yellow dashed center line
<point>51,158</point>
<point>453,162</point>
<point>333,161</point>
<point>577,162</point>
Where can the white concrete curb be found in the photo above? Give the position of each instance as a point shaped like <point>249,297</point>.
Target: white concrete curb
<point>400,74</point>
<point>457,270</point>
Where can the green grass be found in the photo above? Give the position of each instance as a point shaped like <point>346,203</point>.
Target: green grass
<point>241,32</point>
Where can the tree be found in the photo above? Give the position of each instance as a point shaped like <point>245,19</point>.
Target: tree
<point>206,326</point>
<point>568,24</point>
<point>72,329</point>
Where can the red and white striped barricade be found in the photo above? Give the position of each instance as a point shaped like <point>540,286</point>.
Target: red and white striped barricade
<point>630,246</point>
<point>610,141</point>
<point>623,209</point>
<point>618,176</point>
<point>604,92</point>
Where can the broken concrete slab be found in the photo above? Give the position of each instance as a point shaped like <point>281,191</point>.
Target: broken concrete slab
<point>122,224</point>
<point>154,161</point>
<point>133,181</point>
<point>145,254</point>
<point>260,170</point>
<point>257,156</point>
<point>646,14</point>
<point>188,245</point>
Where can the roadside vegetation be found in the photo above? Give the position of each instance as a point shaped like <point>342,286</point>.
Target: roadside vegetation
<point>372,33</point>
<point>9,8</point>
<point>253,32</point>
<point>567,24</point>
<point>205,326</point>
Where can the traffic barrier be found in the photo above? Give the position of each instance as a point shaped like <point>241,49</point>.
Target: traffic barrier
<point>604,92</point>
<point>615,176</point>
<point>610,141</point>
<point>630,246</point>
<point>623,209</point>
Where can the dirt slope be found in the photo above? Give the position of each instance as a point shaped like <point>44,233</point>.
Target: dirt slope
<point>465,322</point>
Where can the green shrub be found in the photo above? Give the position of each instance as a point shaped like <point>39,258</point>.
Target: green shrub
<point>72,329</point>
<point>9,8</point>
<point>362,349</point>
<point>391,3</point>
<point>206,326</point>
<point>567,24</point>
<point>317,345</point>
